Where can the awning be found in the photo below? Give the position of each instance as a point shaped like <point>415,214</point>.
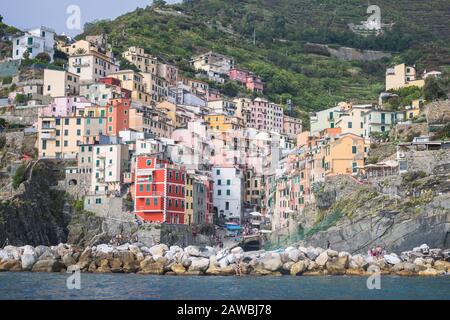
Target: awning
<point>256,214</point>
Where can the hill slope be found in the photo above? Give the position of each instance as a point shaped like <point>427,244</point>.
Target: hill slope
<point>282,27</point>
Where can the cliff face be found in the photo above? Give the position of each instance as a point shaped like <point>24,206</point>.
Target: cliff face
<point>398,214</point>
<point>35,215</point>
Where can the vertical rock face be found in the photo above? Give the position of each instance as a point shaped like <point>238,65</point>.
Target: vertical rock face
<point>35,215</point>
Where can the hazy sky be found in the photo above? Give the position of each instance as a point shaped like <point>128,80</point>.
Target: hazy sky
<point>53,13</point>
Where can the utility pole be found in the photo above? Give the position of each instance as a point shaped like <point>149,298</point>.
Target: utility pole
<point>254,36</point>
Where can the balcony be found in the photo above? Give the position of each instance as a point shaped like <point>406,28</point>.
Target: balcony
<point>47,136</point>
<point>81,64</point>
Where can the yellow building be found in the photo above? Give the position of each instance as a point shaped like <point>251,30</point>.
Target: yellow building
<point>134,82</point>
<point>344,154</point>
<point>402,76</point>
<point>189,211</point>
<point>224,123</point>
<point>143,61</point>
<point>59,137</point>
<point>414,109</point>
<point>60,83</point>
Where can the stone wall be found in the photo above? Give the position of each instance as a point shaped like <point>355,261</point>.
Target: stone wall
<point>426,161</point>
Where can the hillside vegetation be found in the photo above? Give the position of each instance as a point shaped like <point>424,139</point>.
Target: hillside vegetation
<point>281,28</point>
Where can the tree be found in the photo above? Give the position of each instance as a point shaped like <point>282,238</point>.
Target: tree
<point>159,3</point>
<point>434,90</point>
<point>43,57</point>
<point>26,55</point>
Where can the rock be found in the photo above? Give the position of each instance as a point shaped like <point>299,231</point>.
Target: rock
<point>186,261</point>
<point>272,262</point>
<point>195,251</point>
<point>237,250</point>
<point>344,253</point>
<point>410,267</point>
<point>199,264</point>
<point>230,270</point>
<point>420,262</point>
<point>332,253</point>
<point>322,259</point>
<point>398,267</point>
<point>296,255</point>
<point>40,250</point>
<point>231,258</point>
<point>312,253</point>
<point>287,266</point>
<point>284,256</point>
<point>392,259</point>
<point>355,272</point>
<point>358,261</point>
<point>442,266</point>
<point>313,266</point>
<point>436,254</point>
<point>134,249</point>
<point>158,250</point>
<point>124,247</point>
<point>47,255</point>
<point>298,268</point>
<point>92,267</point>
<point>150,266</point>
<point>68,260</point>
<point>213,270</point>
<point>178,268</point>
<point>14,252</point>
<point>104,248</point>
<point>46,266</point>
<point>424,249</point>
<point>373,268</point>
<point>116,265</point>
<point>10,265</point>
<point>430,272</point>
<point>104,267</point>
<point>28,258</point>
<point>130,267</point>
<point>126,257</point>
<point>337,266</point>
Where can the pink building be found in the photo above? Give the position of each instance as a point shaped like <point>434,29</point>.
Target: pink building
<point>265,115</point>
<point>64,106</point>
<point>251,81</point>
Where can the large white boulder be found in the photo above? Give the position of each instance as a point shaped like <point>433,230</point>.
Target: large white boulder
<point>158,250</point>
<point>237,250</point>
<point>272,261</point>
<point>28,258</point>
<point>295,255</point>
<point>104,248</point>
<point>322,259</point>
<point>392,259</point>
<point>199,264</point>
<point>204,252</point>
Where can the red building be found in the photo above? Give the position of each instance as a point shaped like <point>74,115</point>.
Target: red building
<point>118,116</point>
<point>159,190</point>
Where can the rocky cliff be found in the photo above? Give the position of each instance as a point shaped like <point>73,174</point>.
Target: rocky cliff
<point>35,214</point>
<point>396,213</point>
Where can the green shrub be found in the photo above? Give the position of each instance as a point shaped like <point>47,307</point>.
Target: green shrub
<point>19,176</point>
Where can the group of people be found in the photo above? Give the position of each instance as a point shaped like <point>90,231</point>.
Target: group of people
<point>377,252</point>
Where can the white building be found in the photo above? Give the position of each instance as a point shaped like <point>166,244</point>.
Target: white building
<point>228,192</point>
<point>216,66</point>
<point>60,83</point>
<point>92,66</point>
<point>35,41</point>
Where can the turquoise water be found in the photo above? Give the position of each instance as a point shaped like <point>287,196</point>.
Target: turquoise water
<point>122,286</point>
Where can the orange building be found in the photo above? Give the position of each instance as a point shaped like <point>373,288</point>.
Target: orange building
<point>118,116</point>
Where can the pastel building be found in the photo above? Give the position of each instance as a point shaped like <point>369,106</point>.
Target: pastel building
<point>34,41</point>
<point>216,66</point>
<point>159,190</point>
<point>344,154</point>
<point>223,106</point>
<point>64,107</point>
<point>59,137</point>
<point>60,83</point>
<point>143,61</point>
<point>324,119</point>
<point>134,82</point>
<point>265,115</point>
<point>118,116</point>
<point>103,91</point>
<point>251,81</point>
<point>92,66</point>
<point>291,126</point>
<point>228,192</point>
<point>401,76</point>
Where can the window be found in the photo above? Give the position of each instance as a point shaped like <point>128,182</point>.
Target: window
<point>98,200</point>
<point>228,192</point>
<point>227,206</point>
<point>219,192</point>
<point>147,202</point>
<point>228,182</point>
<point>66,143</point>
<point>350,125</point>
<point>218,172</point>
<point>155,201</point>
<point>354,149</point>
<point>219,182</point>
<point>141,188</point>
<point>148,163</point>
<point>66,122</point>
<point>58,121</point>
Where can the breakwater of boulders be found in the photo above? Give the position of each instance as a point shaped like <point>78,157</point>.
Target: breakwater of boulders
<point>163,260</point>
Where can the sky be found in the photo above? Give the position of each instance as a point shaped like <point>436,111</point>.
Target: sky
<point>25,14</point>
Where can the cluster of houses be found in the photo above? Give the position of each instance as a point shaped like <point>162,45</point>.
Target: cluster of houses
<point>179,150</point>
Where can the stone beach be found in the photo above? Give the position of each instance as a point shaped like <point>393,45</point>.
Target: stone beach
<point>193,260</point>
